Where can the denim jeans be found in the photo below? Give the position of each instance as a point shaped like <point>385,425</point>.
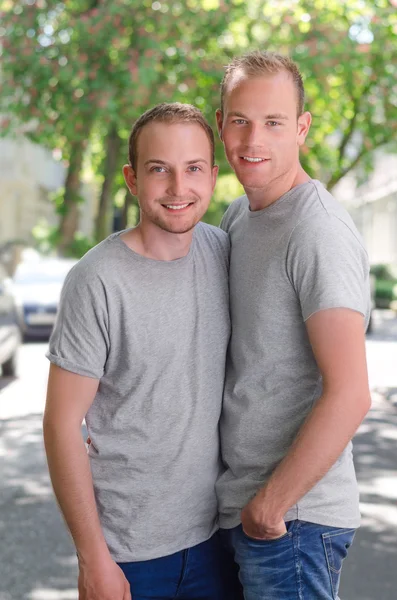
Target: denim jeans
<point>304,564</point>
<point>203,572</point>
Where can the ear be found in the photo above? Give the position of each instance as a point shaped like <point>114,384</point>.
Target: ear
<point>304,122</point>
<point>215,170</point>
<point>219,122</point>
<point>130,179</point>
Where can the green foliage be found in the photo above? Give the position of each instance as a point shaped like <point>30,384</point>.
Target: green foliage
<point>385,293</point>
<point>65,61</point>
<point>386,272</point>
<point>79,246</point>
<point>227,189</point>
<point>385,284</point>
<point>46,239</point>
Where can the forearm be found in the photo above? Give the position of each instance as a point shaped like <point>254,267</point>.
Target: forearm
<point>321,440</point>
<point>72,482</point>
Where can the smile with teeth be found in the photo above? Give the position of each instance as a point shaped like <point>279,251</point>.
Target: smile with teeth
<point>254,160</point>
<point>177,206</point>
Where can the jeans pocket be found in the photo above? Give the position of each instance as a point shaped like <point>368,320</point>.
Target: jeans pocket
<point>271,541</point>
<point>336,546</point>
<point>287,534</point>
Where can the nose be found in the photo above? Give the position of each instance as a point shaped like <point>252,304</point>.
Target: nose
<point>254,135</point>
<point>176,184</point>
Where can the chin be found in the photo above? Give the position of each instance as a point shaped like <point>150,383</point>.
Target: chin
<point>178,228</point>
<point>252,182</point>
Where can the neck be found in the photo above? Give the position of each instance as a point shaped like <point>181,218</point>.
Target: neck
<point>149,240</point>
<point>260,198</point>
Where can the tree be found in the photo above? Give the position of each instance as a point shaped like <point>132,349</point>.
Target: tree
<point>79,65</point>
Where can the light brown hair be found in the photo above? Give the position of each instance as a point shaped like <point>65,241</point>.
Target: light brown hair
<point>169,112</point>
<point>257,63</point>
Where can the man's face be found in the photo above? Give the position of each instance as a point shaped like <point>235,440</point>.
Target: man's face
<point>260,128</point>
<point>174,177</point>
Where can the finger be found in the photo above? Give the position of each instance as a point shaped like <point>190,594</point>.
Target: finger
<point>275,536</point>
<point>263,536</point>
<point>253,533</point>
<point>127,591</point>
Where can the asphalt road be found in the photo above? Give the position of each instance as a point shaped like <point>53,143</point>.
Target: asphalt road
<point>37,560</point>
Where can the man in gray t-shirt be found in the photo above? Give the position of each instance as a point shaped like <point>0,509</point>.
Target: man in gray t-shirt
<point>139,350</point>
<point>296,382</point>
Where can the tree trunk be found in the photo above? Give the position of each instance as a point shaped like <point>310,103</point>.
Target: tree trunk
<point>129,201</point>
<point>70,211</point>
<point>104,216</point>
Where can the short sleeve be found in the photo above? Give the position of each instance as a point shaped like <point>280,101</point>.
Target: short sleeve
<point>328,266</point>
<point>80,341</point>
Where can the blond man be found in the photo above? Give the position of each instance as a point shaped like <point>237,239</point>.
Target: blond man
<point>296,381</point>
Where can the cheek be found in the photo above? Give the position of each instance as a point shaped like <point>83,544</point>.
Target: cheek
<point>230,138</point>
<point>285,143</point>
<point>203,189</point>
<point>152,187</point>
<point>147,194</point>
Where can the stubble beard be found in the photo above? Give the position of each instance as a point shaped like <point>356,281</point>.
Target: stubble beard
<point>272,178</point>
<point>176,228</point>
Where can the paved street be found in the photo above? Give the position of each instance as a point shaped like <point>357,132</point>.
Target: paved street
<point>37,560</point>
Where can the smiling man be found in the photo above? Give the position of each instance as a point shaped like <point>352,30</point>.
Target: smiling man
<point>139,350</point>
<point>296,382</point>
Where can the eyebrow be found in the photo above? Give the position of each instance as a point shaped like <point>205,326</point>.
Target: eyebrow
<point>279,116</point>
<point>158,161</point>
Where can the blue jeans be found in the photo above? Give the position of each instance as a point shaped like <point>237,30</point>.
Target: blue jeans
<point>304,564</point>
<point>203,572</point>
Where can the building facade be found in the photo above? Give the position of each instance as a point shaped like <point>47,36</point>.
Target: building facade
<point>28,175</point>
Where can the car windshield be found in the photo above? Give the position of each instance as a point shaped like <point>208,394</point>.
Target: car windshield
<point>46,272</point>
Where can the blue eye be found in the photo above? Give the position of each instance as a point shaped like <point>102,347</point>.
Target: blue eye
<point>158,169</point>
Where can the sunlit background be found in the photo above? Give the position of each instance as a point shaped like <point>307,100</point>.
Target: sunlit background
<point>74,76</point>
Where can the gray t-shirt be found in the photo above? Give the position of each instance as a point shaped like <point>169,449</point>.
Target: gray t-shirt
<point>298,256</point>
<point>155,333</point>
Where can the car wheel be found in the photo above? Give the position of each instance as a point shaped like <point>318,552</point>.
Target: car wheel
<point>10,367</point>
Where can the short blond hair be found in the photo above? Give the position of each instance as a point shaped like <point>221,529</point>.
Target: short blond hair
<point>257,63</point>
<point>169,112</point>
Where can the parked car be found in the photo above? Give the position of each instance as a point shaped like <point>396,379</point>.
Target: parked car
<point>10,336</point>
<point>37,286</point>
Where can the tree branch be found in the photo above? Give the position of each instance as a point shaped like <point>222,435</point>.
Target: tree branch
<point>342,172</point>
<point>336,177</point>
<point>351,126</point>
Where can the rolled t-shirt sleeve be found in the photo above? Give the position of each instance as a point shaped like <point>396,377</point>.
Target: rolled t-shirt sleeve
<point>328,266</point>
<point>80,341</point>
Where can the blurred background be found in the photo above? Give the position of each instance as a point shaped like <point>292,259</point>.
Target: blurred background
<point>74,76</point>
